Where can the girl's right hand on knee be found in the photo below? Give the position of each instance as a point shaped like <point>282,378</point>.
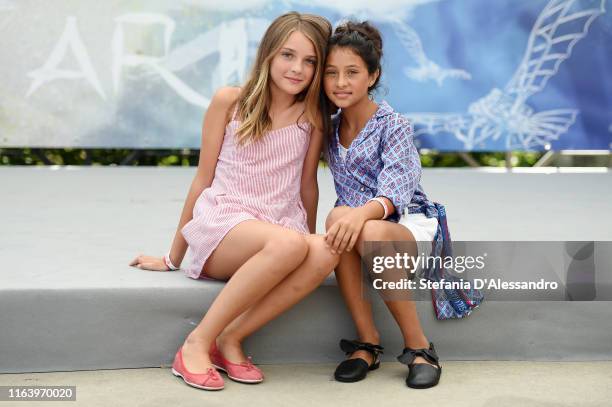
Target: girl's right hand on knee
<point>149,263</point>
<point>343,234</point>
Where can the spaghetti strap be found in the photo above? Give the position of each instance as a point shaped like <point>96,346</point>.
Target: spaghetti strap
<point>236,106</point>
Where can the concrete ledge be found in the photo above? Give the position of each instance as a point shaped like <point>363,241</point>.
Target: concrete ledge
<point>70,302</point>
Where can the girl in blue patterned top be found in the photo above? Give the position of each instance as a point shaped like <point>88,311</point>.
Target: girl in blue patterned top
<point>376,170</point>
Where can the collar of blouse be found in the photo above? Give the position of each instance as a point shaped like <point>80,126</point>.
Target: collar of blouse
<point>372,124</point>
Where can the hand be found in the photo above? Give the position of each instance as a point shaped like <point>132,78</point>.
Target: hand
<point>149,263</point>
<point>343,234</point>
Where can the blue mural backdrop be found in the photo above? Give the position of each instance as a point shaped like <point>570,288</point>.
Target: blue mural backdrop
<point>471,74</point>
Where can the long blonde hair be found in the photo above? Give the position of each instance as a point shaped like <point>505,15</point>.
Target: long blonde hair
<point>255,97</point>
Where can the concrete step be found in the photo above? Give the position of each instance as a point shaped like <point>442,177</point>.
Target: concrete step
<point>70,301</point>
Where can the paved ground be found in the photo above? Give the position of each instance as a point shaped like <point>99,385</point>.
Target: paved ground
<point>473,384</point>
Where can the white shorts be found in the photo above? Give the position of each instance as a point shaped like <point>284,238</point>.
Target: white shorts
<point>422,228</point>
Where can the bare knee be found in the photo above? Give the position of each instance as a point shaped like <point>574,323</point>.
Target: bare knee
<point>289,247</point>
<point>321,261</point>
<point>372,231</point>
<point>335,214</point>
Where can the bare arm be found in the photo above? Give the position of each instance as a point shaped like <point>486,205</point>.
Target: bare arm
<point>213,130</point>
<point>343,234</point>
<point>309,185</point>
<point>373,210</point>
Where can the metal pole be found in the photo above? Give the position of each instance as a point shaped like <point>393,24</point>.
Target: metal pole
<point>509,160</point>
<point>130,158</point>
<point>469,159</point>
<point>545,159</point>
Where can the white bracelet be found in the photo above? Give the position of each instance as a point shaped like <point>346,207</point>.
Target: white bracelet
<point>384,205</point>
<point>169,263</point>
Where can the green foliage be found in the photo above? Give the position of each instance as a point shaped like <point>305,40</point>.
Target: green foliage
<point>185,157</point>
<point>69,156</point>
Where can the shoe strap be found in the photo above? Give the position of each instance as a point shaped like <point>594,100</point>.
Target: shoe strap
<point>351,346</point>
<point>409,354</point>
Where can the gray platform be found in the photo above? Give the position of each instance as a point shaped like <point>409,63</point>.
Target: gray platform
<point>68,300</point>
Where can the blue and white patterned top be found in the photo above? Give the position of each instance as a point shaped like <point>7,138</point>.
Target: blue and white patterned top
<point>382,160</point>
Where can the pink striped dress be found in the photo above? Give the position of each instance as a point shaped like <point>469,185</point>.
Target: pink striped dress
<point>260,181</point>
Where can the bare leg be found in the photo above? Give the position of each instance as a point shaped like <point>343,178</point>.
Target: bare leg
<point>404,312</point>
<point>349,278</point>
<point>318,264</point>
<point>257,256</point>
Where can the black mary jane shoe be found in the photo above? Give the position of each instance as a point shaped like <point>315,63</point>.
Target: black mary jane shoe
<point>421,375</point>
<point>353,370</point>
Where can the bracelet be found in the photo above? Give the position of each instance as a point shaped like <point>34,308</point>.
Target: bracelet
<point>169,263</point>
<point>384,205</point>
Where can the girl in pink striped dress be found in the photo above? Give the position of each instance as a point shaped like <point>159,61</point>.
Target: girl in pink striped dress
<point>253,202</point>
